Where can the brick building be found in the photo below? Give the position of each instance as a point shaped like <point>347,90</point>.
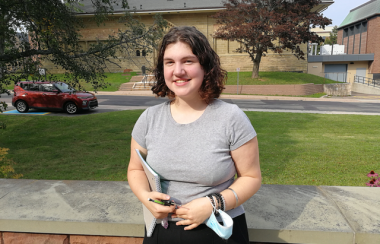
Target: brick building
<point>360,34</point>
<point>192,13</point>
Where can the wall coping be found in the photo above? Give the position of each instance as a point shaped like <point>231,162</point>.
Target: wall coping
<point>277,213</point>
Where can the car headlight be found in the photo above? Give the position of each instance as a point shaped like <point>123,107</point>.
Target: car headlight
<point>84,97</point>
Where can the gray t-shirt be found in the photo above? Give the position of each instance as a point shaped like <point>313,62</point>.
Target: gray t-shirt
<point>193,160</point>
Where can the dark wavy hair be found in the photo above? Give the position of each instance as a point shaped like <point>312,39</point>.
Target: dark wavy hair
<point>215,77</point>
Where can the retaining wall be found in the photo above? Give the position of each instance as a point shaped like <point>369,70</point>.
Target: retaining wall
<point>366,89</point>
<point>292,90</point>
<point>47,211</point>
<point>338,89</point>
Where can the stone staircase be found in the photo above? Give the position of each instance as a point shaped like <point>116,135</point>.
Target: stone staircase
<point>136,84</point>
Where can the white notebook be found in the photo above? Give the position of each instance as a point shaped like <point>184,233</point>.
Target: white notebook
<point>155,185</point>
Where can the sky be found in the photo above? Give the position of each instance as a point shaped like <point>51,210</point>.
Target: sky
<point>340,9</point>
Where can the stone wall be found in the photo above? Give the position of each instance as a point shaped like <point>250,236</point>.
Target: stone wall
<point>100,212</point>
<point>338,89</point>
<point>30,238</point>
<point>366,89</point>
<point>203,21</point>
<point>291,90</point>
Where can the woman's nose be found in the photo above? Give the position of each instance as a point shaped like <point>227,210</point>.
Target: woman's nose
<point>178,70</point>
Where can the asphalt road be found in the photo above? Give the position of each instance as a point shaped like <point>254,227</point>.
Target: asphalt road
<point>109,103</point>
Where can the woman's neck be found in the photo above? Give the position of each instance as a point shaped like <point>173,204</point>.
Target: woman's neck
<point>187,111</point>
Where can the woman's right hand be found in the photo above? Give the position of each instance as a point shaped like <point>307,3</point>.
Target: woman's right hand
<point>159,211</point>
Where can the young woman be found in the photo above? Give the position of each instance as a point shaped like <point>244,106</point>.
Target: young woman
<point>196,143</point>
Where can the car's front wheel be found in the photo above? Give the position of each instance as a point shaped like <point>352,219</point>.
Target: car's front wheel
<point>71,108</point>
<point>22,106</point>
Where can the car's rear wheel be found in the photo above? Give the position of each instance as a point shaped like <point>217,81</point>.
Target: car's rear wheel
<point>22,106</point>
<point>71,108</point>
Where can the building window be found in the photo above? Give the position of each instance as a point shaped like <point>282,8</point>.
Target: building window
<point>138,53</point>
<point>143,53</point>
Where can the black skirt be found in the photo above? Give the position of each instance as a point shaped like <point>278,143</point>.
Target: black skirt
<point>202,234</point>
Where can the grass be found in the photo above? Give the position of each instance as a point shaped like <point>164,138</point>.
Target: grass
<point>295,149</point>
<point>276,78</point>
<point>114,80</point>
<point>266,78</point>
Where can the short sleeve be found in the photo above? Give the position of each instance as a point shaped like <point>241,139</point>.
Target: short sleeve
<point>140,129</point>
<point>241,130</point>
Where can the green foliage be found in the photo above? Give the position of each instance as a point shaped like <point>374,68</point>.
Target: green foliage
<point>269,25</point>
<point>33,32</point>
<point>333,39</point>
<point>114,80</point>
<point>6,166</point>
<point>3,107</point>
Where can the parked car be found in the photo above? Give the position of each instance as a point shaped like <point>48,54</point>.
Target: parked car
<point>51,96</point>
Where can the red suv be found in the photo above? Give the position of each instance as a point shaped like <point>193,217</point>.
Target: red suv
<point>51,95</point>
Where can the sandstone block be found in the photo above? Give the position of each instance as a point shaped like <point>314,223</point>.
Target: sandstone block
<point>76,239</point>
<point>28,238</point>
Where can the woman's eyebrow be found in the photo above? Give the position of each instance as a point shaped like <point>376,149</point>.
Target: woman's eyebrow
<point>186,57</point>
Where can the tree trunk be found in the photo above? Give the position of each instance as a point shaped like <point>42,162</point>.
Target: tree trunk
<point>255,70</point>
<point>256,66</point>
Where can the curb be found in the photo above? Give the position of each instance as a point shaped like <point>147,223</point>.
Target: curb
<point>255,97</point>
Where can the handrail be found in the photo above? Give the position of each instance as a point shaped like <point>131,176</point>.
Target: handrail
<point>145,81</point>
<point>368,81</point>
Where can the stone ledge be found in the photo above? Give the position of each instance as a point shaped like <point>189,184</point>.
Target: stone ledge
<point>277,213</point>
<point>292,90</point>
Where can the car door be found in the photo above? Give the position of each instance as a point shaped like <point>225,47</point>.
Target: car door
<point>32,95</point>
<point>50,98</point>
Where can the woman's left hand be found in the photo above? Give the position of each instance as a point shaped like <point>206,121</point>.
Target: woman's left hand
<point>194,213</point>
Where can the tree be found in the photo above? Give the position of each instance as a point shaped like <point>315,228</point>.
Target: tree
<point>269,25</point>
<point>33,32</point>
<point>333,39</point>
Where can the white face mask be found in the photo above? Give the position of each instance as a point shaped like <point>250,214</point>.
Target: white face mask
<point>225,230</point>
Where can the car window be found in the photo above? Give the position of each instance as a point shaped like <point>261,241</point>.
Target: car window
<point>24,86</point>
<point>64,87</point>
<point>48,88</point>
<point>33,87</point>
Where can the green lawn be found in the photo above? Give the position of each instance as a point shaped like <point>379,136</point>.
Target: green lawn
<point>266,78</point>
<point>114,80</point>
<point>295,149</point>
<point>276,78</point>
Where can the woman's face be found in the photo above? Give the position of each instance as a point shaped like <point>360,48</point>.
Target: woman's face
<point>182,71</point>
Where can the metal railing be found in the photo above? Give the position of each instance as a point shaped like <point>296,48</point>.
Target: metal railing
<point>146,82</point>
<point>367,81</point>
<point>337,76</point>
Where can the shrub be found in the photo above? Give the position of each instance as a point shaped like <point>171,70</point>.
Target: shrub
<point>6,165</point>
